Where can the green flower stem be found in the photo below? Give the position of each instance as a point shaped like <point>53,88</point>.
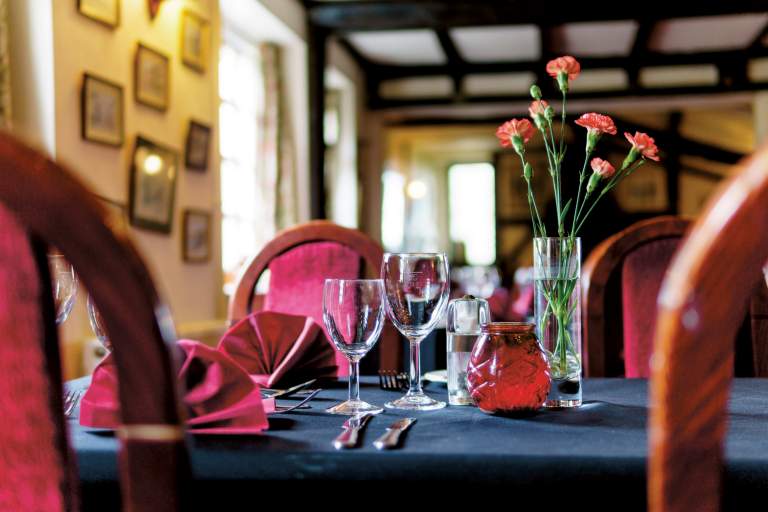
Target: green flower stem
<point>582,176</point>
<point>617,178</point>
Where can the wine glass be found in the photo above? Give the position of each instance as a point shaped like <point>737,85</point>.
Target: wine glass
<point>353,313</point>
<point>97,324</point>
<point>417,288</point>
<point>64,285</point>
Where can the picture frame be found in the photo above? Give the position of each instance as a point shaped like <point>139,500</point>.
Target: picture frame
<point>197,146</point>
<point>196,236</point>
<point>195,41</point>
<point>153,176</point>
<point>106,12</point>
<point>101,111</point>
<point>151,78</point>
<point>117,214</point>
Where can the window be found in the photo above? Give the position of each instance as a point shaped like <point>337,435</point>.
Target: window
<point>472,211</point>
<point>246,226</point>
<point>392,210</point>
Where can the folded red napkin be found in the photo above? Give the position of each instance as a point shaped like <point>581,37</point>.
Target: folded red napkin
<point>278,349</point>
<point>221,398</point>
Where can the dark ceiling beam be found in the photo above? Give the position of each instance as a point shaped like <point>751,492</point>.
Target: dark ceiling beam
<point>548,45</point>
<point>646,60</point>
<point>386,103</point>
<point>357,15</point>
<point>639,50</point>
<point>454,61</point>
<point>758,42</point>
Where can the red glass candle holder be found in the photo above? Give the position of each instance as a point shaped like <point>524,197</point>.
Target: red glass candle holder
<point>508,371</point>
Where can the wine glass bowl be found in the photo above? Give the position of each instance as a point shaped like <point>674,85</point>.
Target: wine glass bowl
<point>64,282</point>
<point>353,314</point>
<point>416,287</point>
<point>97,324</point>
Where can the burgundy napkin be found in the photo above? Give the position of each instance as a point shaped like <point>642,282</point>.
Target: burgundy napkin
<point>278,349</point>
<point>221,398</point>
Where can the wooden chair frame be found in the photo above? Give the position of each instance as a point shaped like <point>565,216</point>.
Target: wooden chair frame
<point>244,300</point>
<point>57,210</point>
<point>702,301</point>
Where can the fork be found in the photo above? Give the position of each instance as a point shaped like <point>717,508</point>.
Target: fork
<point>71,398</point>
<point>280,410</point>
<point>391,380</point>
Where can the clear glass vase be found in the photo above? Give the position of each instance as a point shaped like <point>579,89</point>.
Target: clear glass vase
<point>557,307</point>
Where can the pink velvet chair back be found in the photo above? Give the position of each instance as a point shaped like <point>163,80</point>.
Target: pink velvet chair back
<point>299,260</point>
<point>33,454</point>
<point>621,282</point>
<point>42,205</point>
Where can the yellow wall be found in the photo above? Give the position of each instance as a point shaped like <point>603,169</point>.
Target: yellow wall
<point>80,44</point>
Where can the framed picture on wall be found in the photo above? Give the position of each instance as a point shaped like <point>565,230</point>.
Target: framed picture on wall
<point>103,11</point>
<point>151,78</point>
<point>196,236</point>
<point>117,214</point>
<point>154,169</point>
<point>101,111</point>
<point>195,41</point>
<point>196,150</point>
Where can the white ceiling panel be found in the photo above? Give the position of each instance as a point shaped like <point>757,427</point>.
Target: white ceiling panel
<point>597,39</point>
<point>499,43</point>
<point>421,87</point>
<point>678,76</point>
<point>707,33</point>
<point>501,84</point>
<point>399,46</point>
<point>600,80</point>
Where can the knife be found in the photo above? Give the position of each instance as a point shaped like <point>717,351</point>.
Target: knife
<point>392,436</point>
<point>290,391</point>
<point>352,427</point>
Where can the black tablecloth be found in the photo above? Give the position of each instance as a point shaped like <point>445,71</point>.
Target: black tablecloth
<point>595,454</point>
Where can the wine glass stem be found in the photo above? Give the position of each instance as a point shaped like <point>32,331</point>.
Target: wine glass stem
<point>354,380</point>
<point>415,387</point>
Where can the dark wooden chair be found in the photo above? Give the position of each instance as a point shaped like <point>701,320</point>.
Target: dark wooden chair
<point>703,298</point>
<point>43,205</point>
<point>621,281</point>
<point>299,260</point>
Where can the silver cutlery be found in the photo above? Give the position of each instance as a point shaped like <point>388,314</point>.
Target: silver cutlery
<point>71,398</point>
<point>393,381</point>
<point>275,393</point>
<point>352,427</point>
<point>391,437</point>
<point>300,405</point>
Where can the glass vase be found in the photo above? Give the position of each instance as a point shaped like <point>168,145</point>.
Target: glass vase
<point>557,308</point>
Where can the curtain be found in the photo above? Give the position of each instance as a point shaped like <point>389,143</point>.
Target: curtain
<point>277,155</point>
<point>5,77</point>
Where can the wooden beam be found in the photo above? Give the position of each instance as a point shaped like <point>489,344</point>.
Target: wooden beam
<point>317,39</point>
<point>672,163</point>
<point>648,59</point>
<point>639,51</point>
<point>384,103</point>
<point>359,15</point>
<point>455,62</point>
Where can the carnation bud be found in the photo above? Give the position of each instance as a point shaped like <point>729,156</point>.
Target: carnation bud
<point>562,81</point>
<point>535,92</point>
<point>593,181</point>
<point>517,143</point>
<point>527,171</point>
<point>549,113</point>
<point>631,157</point>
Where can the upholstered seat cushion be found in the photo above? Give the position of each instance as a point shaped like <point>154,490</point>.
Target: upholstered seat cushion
<point>641,277</point>
<point>297,277</point>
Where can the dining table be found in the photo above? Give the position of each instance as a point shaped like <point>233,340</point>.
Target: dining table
<point>594,455</point>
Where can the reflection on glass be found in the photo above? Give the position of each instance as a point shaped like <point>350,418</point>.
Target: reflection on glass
<point>64,282</point>
<point>97,324</point>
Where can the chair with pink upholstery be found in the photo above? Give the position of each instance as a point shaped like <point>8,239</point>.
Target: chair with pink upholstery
<point>621,280</point>
<point>299,260</point>
<point>42,205</point>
